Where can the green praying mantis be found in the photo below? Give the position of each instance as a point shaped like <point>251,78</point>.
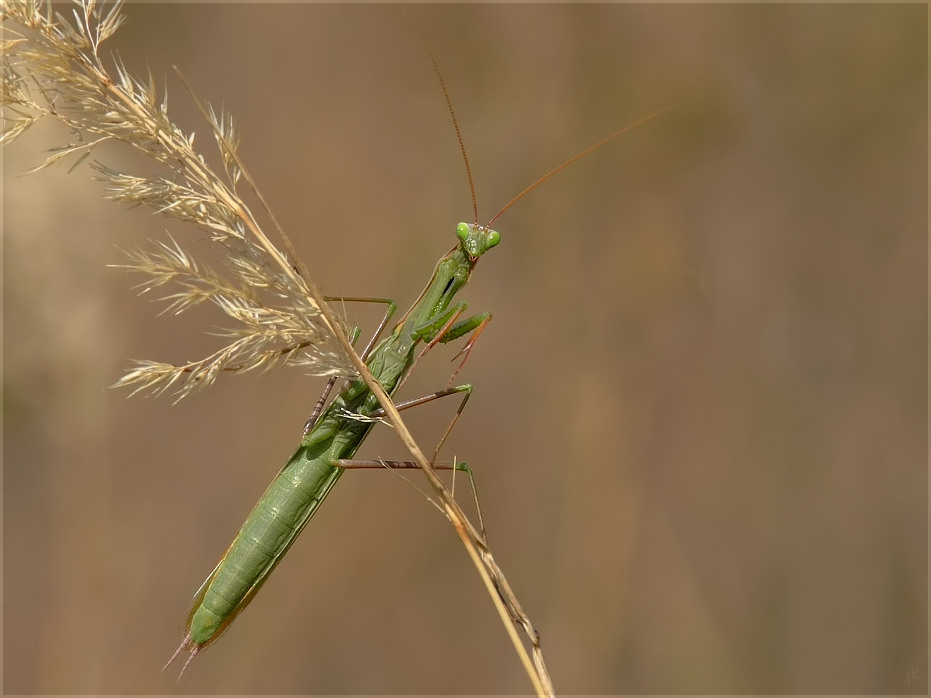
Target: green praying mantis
<point>331,439</point>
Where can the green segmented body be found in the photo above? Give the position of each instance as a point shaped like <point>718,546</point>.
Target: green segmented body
<point>300,487</point>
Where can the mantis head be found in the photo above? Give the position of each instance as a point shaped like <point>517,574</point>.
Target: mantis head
<point>476,239</point>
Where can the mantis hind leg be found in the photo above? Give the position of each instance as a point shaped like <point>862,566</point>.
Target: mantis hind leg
<point>407,465</point>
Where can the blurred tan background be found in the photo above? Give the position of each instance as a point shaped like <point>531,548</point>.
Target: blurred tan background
<point>699,425</point>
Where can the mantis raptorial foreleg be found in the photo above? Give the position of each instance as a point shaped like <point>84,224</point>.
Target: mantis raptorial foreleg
<point>477,328</point>
<point>445,329</point>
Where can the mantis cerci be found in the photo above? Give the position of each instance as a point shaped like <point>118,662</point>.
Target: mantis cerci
<point>283,318</point>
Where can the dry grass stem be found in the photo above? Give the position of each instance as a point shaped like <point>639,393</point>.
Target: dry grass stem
<point>279,317</point>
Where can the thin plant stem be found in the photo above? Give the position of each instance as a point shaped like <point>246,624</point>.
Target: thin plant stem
<point>53,69</point>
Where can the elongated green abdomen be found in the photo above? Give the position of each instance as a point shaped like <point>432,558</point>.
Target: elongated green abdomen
<point>271,528</point>
<point>288,504</point>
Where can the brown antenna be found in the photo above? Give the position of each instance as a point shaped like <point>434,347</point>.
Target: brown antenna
<point>573,159</point>
<point>452,113</point>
